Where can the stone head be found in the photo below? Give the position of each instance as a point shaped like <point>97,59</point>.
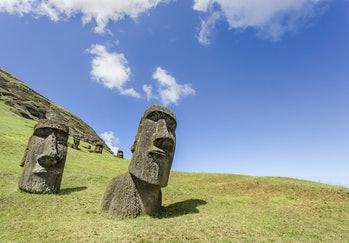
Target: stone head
<point>154,146</point>
<point>99,148</point>
<point>120,154</point>
<point>45,157</point>
<point>76,139</point>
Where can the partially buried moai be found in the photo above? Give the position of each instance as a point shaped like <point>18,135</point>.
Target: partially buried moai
<point>120,154</point>
<point>139,190</point>
<point>44,158</point>
<point>76,140</point>
<point>99,148</point>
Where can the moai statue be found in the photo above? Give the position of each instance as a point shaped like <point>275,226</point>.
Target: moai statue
<point>44,158</point>
<point>138,191</point>
<point>120,154</point>
<point>99,148</point>
<point>76,143</point>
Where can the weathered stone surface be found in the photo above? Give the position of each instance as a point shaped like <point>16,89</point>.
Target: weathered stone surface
<point>99,148</point>
<point>127,196</point>
<point>120,154</point>
<point>44,158</point>
<point>139,191</point>
<point>76,140</point>
<point>154,146</point>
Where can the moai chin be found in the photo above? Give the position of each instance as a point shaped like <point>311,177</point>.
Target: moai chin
<point>139,191</point>
<point>76,140</point>
<point>120,154</point>
<point>44,158</point>
<point>99,148</point>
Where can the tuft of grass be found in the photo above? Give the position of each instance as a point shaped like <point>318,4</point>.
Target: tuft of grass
<point>197,207</point>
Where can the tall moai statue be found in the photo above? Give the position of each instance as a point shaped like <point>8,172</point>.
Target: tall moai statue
<point>44,158</point>
<point>138,191</point>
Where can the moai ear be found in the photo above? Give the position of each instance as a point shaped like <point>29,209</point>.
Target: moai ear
<point>24,157</point>
<point>25,154</point>
<point>133,147</point>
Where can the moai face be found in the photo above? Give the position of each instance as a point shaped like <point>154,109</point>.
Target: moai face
<point>44,158</point>
<point>99,148</point>
<point>154,146</point>
<point>120,154</point>
<point>76,141</point>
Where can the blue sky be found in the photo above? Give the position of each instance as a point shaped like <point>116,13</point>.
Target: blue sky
<point>257,89</point>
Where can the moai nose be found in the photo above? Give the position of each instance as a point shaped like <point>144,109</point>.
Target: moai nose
<point>162,129</point>
<point>49,154</point>
<point>164,139</point>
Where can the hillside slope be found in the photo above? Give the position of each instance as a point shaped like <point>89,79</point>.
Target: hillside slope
<point>198,207</point>
<point>31,105</point>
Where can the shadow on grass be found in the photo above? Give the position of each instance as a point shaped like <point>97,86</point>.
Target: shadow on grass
<point>181,208</point>
<point>69,190</point>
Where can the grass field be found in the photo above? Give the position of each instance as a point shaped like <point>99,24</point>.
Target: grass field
<point>199,207</point>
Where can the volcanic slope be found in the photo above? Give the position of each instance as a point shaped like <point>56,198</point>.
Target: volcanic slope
<point>197,207</point>
<point>29,104</point>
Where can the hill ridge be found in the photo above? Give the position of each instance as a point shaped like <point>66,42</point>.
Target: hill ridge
<point>30,104</point>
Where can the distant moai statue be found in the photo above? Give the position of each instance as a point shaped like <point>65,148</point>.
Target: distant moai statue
<point>44,158</point>
<point>76,140</point>
<point>138,191</point>
<point>120,154</point>
<point>99,148</point>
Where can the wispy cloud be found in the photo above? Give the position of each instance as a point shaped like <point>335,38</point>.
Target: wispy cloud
<point>16,6</point>
<point>100,12</point>
<point>207,26</point>
<point>111,140</point>
<point>111,70</point>
<point>270,18</point>
<point>148,90</point>
<point>169,90</point>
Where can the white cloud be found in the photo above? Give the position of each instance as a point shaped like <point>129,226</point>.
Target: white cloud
<point>270,18</point>
<point>111,70</point>
<point>169,90</point>
<point>206,28</point>
<point>148,90</point>
<point>98,11</point>
<point>111,140</point>
<point>16,6</point>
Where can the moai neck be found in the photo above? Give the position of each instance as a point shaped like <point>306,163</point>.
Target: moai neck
<point>150,196</point>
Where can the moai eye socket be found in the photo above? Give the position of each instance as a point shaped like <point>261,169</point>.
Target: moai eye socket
<point>61,138</point>
<point>171,124</point>
<point>43,132</point>
<point>156,116</point>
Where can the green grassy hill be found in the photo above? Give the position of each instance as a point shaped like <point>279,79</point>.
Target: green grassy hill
<point>199,207</point>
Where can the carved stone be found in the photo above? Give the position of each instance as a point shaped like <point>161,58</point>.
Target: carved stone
<point>120,154</point>
<point>44,158</point>
<point>99,148</point>
<point>76,143</point>
<point>139,190</point>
